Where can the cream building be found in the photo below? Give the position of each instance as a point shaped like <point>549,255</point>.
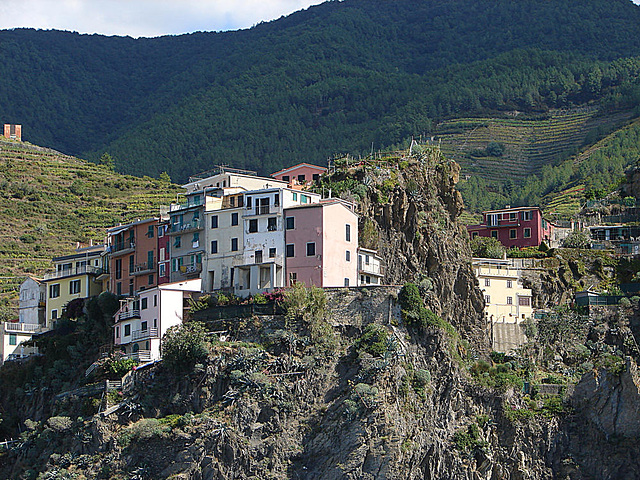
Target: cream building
<point>506,301</point>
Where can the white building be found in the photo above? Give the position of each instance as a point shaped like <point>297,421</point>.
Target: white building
<point>142,320</point>
<point>370,269</point>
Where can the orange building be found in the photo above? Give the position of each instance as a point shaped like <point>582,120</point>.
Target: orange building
<point>133,256</point>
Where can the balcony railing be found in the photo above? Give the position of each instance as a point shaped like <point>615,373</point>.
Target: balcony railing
<point>186,227</point>
<point>263,210</point>
<point>371,268</point>
<point>22,327</point>
<point>142,334</point>
<point>69,272</point>
<point>141,356</point>
<point>191,269</point>
<point>174,207</point>
<point>123,247</point>
<point>134,313</point>
<point>144,268</point>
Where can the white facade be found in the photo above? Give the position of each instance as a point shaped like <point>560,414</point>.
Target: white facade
<point>33,298</point>
<point>141,321</point>
<point>370,268</point>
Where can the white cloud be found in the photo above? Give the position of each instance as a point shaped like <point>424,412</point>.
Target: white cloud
<point>144,18</point>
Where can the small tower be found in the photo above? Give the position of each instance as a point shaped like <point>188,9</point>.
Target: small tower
<point>14,132</point>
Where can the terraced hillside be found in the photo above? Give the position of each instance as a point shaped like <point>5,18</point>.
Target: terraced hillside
<point>529,144</point>
<point>50,201</point>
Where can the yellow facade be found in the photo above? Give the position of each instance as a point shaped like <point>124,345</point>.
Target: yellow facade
<point>62,290</point>
<point>506,301</point>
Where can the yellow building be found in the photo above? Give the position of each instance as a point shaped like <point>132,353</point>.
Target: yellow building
<point>75,276</point>
<point>506,301</point>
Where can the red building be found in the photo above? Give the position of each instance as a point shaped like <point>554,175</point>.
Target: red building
<point>514,227</point>
<point>303,174</point>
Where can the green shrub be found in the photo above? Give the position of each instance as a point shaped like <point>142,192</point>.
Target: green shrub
<point>183,346</point>
<point>59,424</point>
<point>143,430</point>
<point>374,340</point>
<point>121,366</point>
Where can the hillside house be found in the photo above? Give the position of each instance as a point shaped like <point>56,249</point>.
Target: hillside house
<point>623,239</point>
<point>515,227</point>
<point>133,256</point>
<point>142,320</point>
<point>74,276</point>
<point>300,176</point>
<point>370,267</point>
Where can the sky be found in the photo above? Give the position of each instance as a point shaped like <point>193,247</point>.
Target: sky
<point>144,18</point>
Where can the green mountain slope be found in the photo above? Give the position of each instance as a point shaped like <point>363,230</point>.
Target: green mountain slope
<point>338,77</point>
<point>50,201</point>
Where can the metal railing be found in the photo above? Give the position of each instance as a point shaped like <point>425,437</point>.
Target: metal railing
<point>134,313</point>
<point>143,268</point>
<point>122,247</point>
<point>68,272</point>
<point>142,334</point>
<point>141,355</point>
<point>185,227</point>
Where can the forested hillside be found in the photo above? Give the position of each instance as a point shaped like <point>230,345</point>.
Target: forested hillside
<point>341,77</point>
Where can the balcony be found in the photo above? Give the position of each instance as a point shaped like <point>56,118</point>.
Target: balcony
<point>180,228</point>
<point>22,327</point>
<point>144,334</point>
<point>143,268</point>
<point>263,210</point>
<point>174,207</point>
<point>141,356</point>
<point>122,248</point>
<point>70,272</point>
<point>372,268</point>
<point>194,269</point>
<point>134,313</point>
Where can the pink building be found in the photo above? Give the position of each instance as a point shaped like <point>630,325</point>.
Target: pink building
<point>322,244</point>
<point>13,132</point>
<point>303,174</point>
<point>514,227</point>
<point>164,257</point>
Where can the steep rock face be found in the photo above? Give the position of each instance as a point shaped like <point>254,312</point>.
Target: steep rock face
<point>409,213</point>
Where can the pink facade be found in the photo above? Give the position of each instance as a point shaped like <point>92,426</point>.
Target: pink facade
<point>164,256</point>
<point>321,244</point>
<point>13,132</point>
<point>302,174</point>
<point>514,227</point>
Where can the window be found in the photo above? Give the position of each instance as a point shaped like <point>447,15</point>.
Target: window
<point>527,233</point>
<point>286,178</point>
<point>290,250</point>
<point>234,219</point>
<point>176,263</point>
<point>13,339</point>
<point>54,314</point>
<point>366,259</point>
<point>487,282</point>
<point>513,216</point>
<point>117,332</point>
<point>526,215</point>
<point>74,287</point>
<point>347,256</point>
<point>143,326</point>
<point>304,198</point>
<point>509,300</point>
<point>295,197</point>
<point>272,225</point>
<point>214,246</point>
<point>276,200</point>
<point>177,243</point>
<point>474,235</point>
<point>234,244</point>
<point>253,225</point>
<point>248,203</point>
<point>487,299</point>
<point>291,223</point>
<point>132,263</point>
<point>272,253</point>
<point>494,234</point>
<point>195,242</point>
<point>162,270</point>
<point>127,330</point>
<point>311,249</point>
<point>214,221</point>
<point>145,302</point>
<point>346,282</point>
<point>232,201</point>
<point>293,278</point>
<point>54,290</point>
<point>513,233</point>
<point>118,269</point>
<point>348,232</point>
<point>240,202</point>
<point>524,301</point>
<point>301,178</point>
<point>150,279</point>
<point>316,177</point>
<point>161,231</point>
<point>509,283</point>
<point>119,288</point>
<point>155,300</point>
<point>150,231</point>
<point>258,256</point>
